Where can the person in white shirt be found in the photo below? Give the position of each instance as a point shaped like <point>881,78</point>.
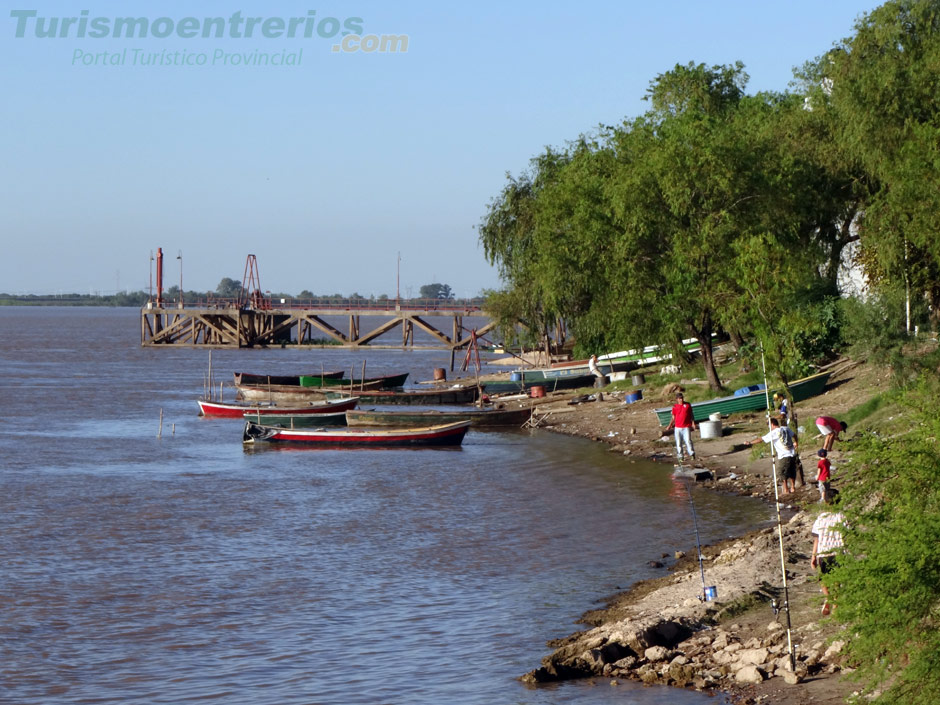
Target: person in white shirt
<point>827,544</point>
<point>785,449</point>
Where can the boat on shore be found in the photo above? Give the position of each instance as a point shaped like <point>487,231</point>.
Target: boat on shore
<point>607,363</point>
<point>441,435</point>
<point>478,418</point>
<point>753,401</point>
<point>240,409</point>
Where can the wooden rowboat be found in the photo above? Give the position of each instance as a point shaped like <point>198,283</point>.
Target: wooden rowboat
<point>302,420</point>
<point>240,409</point>
<point>443,435</point>
<point>285,394</point>
<point>293,380</point>
<point>478,418</point>
<point>381,382</point>
<point>328,379</point>
<point>421,397</point>
<point>754,401</point>
<point>524,384</point>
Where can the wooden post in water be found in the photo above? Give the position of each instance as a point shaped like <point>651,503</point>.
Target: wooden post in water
<point>362,378</point>
<point>160,429</point>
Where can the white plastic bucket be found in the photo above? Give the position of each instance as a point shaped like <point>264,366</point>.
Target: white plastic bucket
<point>710,429</point>
<point>715,417</point>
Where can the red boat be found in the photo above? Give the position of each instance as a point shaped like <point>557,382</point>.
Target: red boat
<point>240,409</point>
<point>443,435</point>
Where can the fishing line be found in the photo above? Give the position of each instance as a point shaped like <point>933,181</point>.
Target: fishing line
<point>698,540</point>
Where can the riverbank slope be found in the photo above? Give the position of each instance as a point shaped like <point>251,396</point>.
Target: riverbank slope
<point>660,631</point>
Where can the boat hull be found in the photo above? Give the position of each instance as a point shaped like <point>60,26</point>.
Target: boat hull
<point>524,385</point>
<point>478,418</point>
<point>755,401</point>
<point>280,393</point>
<point>419,397</point>
<point>292,380</point>
<point>429,436</point>
<point>384,382</point>
<point>238,410</point>
<point>331,418</point>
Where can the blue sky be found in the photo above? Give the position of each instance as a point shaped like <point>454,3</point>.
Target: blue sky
<point>327,169</point>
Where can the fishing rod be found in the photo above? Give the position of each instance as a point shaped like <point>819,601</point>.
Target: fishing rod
<point>783,562</point>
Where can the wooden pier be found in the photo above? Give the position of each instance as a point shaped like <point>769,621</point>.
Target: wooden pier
<point>267,323</point>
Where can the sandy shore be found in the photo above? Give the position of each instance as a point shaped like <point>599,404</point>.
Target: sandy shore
<point>659,631</point>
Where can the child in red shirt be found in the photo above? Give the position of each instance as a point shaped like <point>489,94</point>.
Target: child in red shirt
<point>824,472</point>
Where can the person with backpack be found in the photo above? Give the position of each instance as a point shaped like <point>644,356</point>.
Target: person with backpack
<point>785,448</point>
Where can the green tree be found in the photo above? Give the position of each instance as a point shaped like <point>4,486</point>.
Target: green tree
<point>508,232</point>
<point>881,84</point>
<point>229,288</point>
<point>701,178</point>
<point>435,291</point>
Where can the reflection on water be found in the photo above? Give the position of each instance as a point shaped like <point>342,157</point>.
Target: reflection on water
<point>178,569</point>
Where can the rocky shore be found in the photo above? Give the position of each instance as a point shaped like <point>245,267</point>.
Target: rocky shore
<point>663,631</point>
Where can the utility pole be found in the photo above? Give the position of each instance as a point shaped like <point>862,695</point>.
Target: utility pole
<point>180,258</point>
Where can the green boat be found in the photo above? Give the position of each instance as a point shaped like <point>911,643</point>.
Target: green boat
<point>754,401</point>
<point>383,382</point>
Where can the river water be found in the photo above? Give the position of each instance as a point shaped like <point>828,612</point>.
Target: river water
<point>184,568</point>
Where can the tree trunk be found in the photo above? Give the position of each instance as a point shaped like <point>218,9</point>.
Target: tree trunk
<point>704,337</point>
<point>736,340</point>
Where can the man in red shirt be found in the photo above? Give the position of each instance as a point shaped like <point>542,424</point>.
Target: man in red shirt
<point>683,422</point>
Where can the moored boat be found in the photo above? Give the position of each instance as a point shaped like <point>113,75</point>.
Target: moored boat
<point>292,380</point>
<point>754,401</point>
<point>478,418</point>
<point>525,383</point>
<point>380,382</point>
<point>441,435</point>
<point>239,409</point>
<point>290,392</point>
<point>327,379</point>
<point>281,393</point>
<point>423,397</point>
<point>299,420</point>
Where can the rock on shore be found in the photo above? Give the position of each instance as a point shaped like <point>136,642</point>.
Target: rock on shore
<point>669,635</point>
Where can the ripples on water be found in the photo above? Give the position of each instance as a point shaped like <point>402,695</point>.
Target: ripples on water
<point>184,568</point>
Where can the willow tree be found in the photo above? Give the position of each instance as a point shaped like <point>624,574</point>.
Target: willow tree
<point>688,203</point>
<point>510,241</point>
<point>881,85</point>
